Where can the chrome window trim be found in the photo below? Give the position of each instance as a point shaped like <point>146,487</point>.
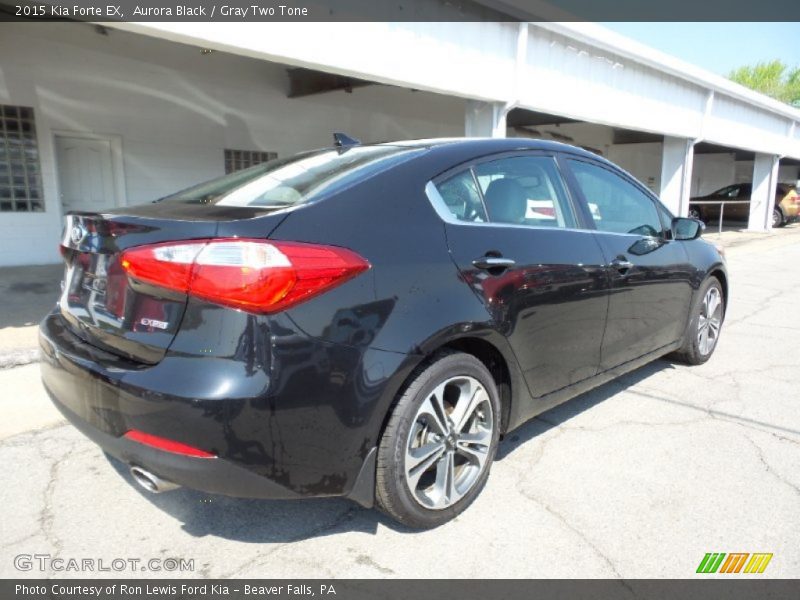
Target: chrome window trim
<point>444,213</point>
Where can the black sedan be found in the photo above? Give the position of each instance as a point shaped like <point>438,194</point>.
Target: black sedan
<point>367,320</point>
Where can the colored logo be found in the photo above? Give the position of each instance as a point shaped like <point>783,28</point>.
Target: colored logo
<point>736,562</point>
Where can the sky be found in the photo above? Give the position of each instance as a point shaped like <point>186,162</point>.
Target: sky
<point>719,47</point>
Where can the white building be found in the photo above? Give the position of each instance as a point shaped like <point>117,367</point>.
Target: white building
<point>94,117</point>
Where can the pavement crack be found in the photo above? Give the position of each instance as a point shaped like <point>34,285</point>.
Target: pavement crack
<point>561,519</point>
<point>28,438</point>
<point>363,559</point>
<point>760,309</point>
<point>47,515</point>
<point>768,467</point>
<point>720,415</point>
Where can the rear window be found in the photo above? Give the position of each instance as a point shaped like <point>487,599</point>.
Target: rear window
<point>295,180</point>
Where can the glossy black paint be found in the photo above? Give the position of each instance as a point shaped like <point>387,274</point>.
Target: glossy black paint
<point>299,399</point>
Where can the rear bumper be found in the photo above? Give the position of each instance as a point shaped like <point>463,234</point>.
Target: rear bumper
<point>790,211</point>
<point>269,440</point>
<point>212,475</point>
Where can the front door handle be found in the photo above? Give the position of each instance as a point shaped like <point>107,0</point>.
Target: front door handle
<point>621,264</point>
<point>493,263</point>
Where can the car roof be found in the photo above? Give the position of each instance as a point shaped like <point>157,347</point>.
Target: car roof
<point>490,145</point>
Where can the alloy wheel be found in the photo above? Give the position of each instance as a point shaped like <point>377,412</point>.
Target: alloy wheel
<point>710,321</point>
<point>448,443</point>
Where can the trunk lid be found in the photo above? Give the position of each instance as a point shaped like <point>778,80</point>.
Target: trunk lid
<point>102,305</point>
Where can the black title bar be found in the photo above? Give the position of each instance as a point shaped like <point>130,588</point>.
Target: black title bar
<point>702,588</point>
<point>400,10</point>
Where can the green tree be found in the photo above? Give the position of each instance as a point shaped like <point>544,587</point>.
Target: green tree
<point>772,78</point>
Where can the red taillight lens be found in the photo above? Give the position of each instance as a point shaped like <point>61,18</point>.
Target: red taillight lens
<point>253,275</point>
<point>166,445</point>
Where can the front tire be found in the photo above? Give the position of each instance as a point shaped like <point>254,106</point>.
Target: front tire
<point>438,447</point>
<point>777,218</point>
<point>705,325</point>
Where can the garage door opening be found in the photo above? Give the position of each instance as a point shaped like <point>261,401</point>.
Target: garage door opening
<point>725,189</point>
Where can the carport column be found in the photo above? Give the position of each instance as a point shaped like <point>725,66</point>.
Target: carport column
<point>485,119</point>
<point>762,200</point>
<point>676,174</point>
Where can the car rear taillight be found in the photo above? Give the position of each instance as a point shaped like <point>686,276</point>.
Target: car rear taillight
<point>252,275</point>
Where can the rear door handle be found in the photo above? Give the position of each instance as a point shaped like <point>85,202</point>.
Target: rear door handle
<point>490,263</point>
<point>621,264</point>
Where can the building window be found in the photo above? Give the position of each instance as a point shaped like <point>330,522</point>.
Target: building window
<point>20,179</point>
<point>236,160</point>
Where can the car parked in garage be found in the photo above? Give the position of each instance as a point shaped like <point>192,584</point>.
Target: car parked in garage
<point>736,199</point>
<point>367,320</point>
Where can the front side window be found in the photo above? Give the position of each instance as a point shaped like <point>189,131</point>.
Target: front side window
<point>731,191</point>
<point>616,205</point>
<point>518,190</point>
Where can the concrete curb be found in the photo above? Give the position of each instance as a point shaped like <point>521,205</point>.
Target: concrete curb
<point>17,358</point>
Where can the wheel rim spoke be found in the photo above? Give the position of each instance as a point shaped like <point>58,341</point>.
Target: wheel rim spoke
<point>444,486</point>
<point>713,303</point>
<point>475,446</point>
<point>713,326</point>
<point>434,411</point>
<point>424,456</point>
<point>466,406</point>
<point>414,474</point>
<point>709,321</point>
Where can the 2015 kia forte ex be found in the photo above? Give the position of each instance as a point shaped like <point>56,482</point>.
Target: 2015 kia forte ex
<point>367,320</point>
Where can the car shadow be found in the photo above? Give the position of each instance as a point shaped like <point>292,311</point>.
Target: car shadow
<point>564,412</point>
<point>283,521</point>
<point>261,521</point>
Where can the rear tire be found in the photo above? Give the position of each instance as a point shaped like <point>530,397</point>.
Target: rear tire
<point>777,218</point>
<point>438,447</point>
<point>705,324</point>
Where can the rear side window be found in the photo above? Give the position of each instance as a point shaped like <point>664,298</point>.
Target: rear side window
<point>518,190</point>
<point>732,191</point>
<point>462,198</point>
<point>616,205</point>
<point>296,180</point>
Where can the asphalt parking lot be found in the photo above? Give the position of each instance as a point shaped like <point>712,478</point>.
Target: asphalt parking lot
<point>639,478</point>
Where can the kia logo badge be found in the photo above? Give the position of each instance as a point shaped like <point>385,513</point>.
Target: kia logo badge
<point>76,235</point>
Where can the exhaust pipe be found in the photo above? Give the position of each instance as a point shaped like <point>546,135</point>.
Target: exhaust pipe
<point>152,483</point>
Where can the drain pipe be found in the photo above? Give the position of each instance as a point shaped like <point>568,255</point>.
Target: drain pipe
<point>499,126</point>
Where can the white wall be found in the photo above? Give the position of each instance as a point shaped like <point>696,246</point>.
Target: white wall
<point>175,110</point>
<point>588,135</point>
<point>577,70</point>
<point>643,161</point>
<point>786,173</point>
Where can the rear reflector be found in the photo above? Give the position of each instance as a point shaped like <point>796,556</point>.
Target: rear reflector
<point>252,275</point>
<point>166,445</point>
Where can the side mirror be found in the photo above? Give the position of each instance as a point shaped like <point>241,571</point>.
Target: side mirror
<point>684,228</point>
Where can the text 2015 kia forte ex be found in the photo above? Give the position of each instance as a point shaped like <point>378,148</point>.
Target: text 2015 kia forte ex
<point>367,320</point>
